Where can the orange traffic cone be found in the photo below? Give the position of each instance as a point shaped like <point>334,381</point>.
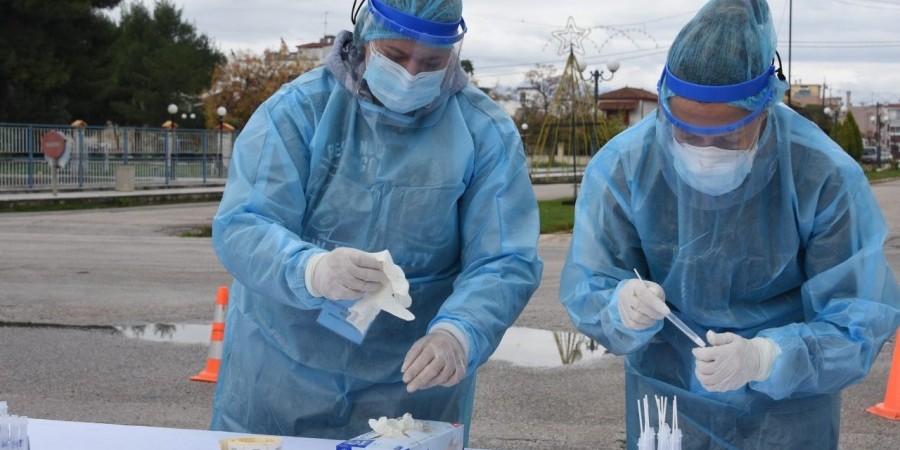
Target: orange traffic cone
<point>890,407</point>
<point>211,372</point>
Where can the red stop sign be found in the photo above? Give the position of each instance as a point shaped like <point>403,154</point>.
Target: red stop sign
<point>53,144</point>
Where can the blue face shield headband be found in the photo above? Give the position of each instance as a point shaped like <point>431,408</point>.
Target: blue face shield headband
<point>412,27</point>
<point>716,94</point>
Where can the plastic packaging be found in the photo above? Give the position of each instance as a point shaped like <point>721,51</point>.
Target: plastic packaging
<point>13,430</point>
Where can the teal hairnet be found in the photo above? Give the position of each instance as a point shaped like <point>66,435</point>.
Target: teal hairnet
<point>445,11</point>
<point>727,42</point>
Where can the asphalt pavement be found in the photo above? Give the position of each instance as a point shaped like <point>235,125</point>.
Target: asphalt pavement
<point>75,286</point>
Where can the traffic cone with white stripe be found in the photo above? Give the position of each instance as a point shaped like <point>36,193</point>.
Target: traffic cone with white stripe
<point>890,407</point>
<point>210,373</point>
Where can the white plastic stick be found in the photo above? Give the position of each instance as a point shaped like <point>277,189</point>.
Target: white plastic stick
<point>676,321</point>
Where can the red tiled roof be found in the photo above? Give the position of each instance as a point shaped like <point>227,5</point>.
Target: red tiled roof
<point>616,105</point>
<point>628,93</point>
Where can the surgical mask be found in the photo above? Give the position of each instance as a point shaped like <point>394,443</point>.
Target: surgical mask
<point>396,89</point>
<point>712,170</point>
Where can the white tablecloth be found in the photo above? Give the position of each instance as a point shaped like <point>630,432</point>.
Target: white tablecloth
<point>60,435</point>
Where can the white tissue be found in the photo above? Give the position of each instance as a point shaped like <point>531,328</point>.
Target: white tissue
<point>393,428</point>
<point>392,297</point>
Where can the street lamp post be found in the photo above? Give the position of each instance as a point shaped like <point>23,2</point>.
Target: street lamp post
<point>170,149</point>
<point>525,145</point>
<point>878,120</point>
<point>221,111</point>
<point>835,114</point>
<point>597,75</point>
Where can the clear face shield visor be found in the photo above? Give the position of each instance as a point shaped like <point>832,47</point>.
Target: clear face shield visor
<point>738,132</point>
<point>410,61</point>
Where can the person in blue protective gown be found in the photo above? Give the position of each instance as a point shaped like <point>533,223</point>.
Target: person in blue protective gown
<point>386,147</point>
<point>749,224</point>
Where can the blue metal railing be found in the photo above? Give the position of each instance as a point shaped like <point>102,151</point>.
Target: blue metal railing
<point>159,156</point>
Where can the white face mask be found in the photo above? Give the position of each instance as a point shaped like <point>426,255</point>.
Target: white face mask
<point>396,89</point>
<point>712,170</point>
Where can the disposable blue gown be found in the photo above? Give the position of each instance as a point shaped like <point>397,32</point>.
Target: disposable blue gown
<point>316,168</point>
<point>794,254</point>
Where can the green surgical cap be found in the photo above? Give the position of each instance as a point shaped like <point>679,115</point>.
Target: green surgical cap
<point>727,42</point>
<point>445,11</point>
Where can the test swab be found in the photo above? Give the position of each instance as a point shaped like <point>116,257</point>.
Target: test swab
<point>677,322</point>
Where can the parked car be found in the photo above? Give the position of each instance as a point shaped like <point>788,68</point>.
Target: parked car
<point>869,155</point>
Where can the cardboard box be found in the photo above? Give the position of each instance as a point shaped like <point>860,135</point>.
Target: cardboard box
<point>430,435</point>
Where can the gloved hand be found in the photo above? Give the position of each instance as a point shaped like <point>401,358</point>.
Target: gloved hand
<point>436,359</point>
<point>343,274</point>
<point>641,304</point>
<point>732,361</point>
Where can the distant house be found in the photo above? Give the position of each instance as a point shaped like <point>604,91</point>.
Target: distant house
<point>629,105</point>
<point>315,52</point>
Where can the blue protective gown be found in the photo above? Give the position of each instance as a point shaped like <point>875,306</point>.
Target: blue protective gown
<point>317,168</point>
<point>794,254</point>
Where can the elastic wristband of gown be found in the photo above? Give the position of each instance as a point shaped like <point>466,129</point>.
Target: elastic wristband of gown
<point>311,264</point>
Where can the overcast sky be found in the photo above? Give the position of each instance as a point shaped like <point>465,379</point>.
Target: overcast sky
<point>850,45</point>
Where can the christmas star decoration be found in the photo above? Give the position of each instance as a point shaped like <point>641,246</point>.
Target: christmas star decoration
<point>571,38</point>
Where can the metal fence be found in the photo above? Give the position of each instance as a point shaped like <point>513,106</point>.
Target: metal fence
<point>159,156</point>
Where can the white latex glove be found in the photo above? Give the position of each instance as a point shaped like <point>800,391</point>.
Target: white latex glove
<point>731,361</point>
<point>343,274</point>
<point>641,304</point>
<point>436,359</point>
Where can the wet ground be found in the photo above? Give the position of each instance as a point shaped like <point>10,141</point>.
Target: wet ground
<point>104,314</point>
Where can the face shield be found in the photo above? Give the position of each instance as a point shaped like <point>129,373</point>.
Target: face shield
<point>410,61</point>
<point>738,129</point>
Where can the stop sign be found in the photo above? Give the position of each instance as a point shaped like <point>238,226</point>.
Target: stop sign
<point>53,144</point>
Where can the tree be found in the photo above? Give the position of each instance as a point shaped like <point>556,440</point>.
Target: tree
<point>849,137</point>
<point>53,62</point>
<point>244,82</point>
<point>159,60</point>
<point>543,81</point>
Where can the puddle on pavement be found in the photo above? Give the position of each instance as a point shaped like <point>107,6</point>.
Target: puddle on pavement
<point>531,347</point>
<point>163,332</point>
<point>528,347</point>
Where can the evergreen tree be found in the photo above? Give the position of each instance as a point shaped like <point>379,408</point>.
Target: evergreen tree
<point>851,137</point>
<point>160,60</point>
<point>53,61</point>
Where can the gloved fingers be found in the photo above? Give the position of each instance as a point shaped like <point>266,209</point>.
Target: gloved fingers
<point>419,367</point>
<point>652,308</point>
<point>726,365</point>
<point>719,378</point>
<point>715,339</point>
<point>652,300</point>
<point>436,359</point>
<point>412,356</point>
<point>353,282</point>
<point>363,259</point>
<point>636,318</point>
<point>443,375</point>
<point>427,376</point>
<point>366,274</point>
<point>654,290</point>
